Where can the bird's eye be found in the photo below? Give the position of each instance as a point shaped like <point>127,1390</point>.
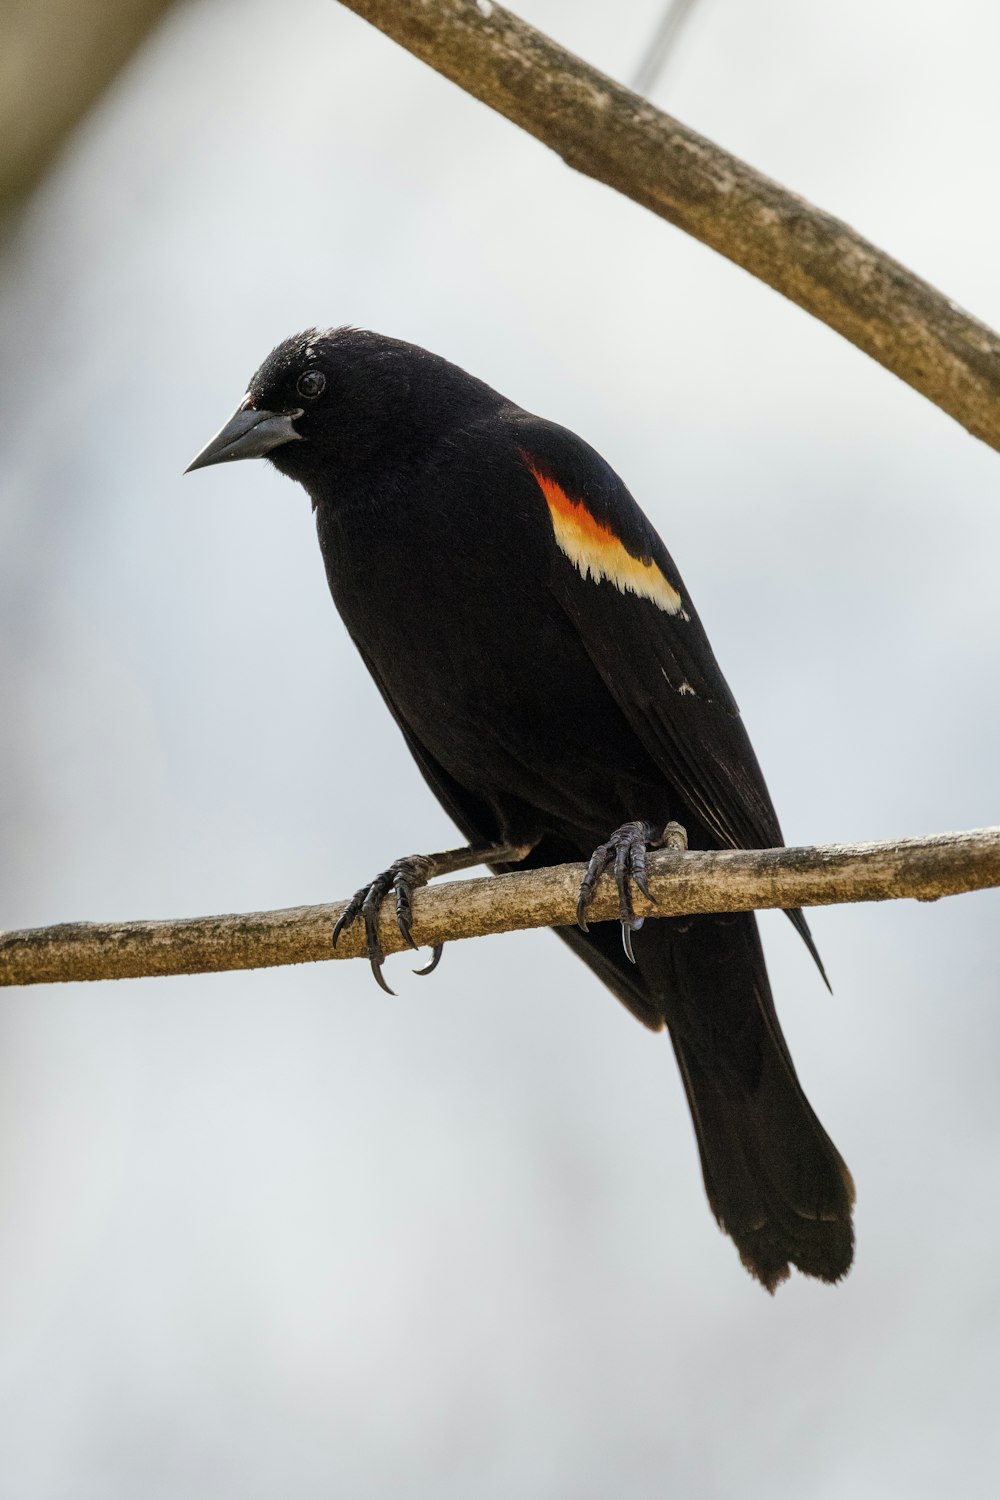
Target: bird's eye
<point>311,384</point>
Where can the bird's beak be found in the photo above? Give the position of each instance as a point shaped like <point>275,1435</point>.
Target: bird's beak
<point>248,434</point>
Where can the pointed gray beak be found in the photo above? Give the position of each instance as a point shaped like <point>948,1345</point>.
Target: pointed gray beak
<point>248,434</point>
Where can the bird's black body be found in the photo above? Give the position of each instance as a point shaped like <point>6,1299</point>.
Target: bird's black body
<point>536,646</point>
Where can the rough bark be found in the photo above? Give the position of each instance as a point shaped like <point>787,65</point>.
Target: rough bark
<point>609,133</point>
<point>740,880</point>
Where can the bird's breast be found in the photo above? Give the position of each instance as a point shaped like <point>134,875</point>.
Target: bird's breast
<point>455,616</point>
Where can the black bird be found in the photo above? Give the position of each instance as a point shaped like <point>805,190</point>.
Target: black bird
<point>536,646</point>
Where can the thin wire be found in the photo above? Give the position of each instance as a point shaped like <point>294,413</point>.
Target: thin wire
<point>664,39</point>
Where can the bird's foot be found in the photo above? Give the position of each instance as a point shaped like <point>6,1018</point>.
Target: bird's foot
<point>625,852</point>
<point>403,877</point>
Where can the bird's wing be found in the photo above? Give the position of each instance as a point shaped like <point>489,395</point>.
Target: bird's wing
<point>617,583</point>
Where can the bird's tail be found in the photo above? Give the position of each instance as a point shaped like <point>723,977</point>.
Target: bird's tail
<point>775,1181</point>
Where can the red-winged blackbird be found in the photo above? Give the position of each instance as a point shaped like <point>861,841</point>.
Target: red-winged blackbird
<point>536,646</point>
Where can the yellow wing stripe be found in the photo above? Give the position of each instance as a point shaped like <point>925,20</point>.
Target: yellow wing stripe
<point>597,553</point>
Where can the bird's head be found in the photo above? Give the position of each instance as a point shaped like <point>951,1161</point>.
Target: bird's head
<point>343,399</point>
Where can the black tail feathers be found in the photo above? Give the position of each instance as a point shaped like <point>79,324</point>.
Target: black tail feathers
<point>775,1181</point>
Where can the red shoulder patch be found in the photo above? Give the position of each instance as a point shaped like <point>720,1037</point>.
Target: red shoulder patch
<point>597,553</point>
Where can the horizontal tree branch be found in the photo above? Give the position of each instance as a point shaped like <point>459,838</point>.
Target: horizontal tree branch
<point>943,864</point>
<point>609,133</point>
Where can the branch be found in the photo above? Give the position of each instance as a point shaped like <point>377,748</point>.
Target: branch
<point>605,131</point>
<point>56,58</point>
<point>943,864</point>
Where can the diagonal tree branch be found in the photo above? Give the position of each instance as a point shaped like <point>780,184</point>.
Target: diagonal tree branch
<point>732,880</point>
<point>605,131</point>
<point>56,58</point>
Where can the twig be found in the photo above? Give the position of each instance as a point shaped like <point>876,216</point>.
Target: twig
<point>56,59</point>
<point>662,43</point>
<point>741,880</point>
<point>605,131</point>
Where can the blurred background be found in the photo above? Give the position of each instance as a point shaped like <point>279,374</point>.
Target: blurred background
<point>277,1234</point>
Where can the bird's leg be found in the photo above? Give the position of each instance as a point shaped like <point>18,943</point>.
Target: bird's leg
<point>403,877</point>
<point>626,851</point>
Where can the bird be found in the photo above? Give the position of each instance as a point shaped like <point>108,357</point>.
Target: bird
<point>538,649</point>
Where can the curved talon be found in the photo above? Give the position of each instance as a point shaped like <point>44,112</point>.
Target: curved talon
<point>625,855</point>
<point>404,876</point>
<point>599,861</point>
<point>639,873</point>
<point>377,960</point>
<point>435,960</point>
<point>401,878</point>
<point>370,911</point>
<point>348,915</point>
<point>404,908</point>
<point>623,865</point>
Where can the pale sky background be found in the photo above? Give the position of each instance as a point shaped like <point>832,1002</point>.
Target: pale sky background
<point>276,1234</point>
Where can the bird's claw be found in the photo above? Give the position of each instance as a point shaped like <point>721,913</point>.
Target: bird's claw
<point>403,877</point>
<point>625,853</point>
<point>402,889</point>
<point>435,960</point>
